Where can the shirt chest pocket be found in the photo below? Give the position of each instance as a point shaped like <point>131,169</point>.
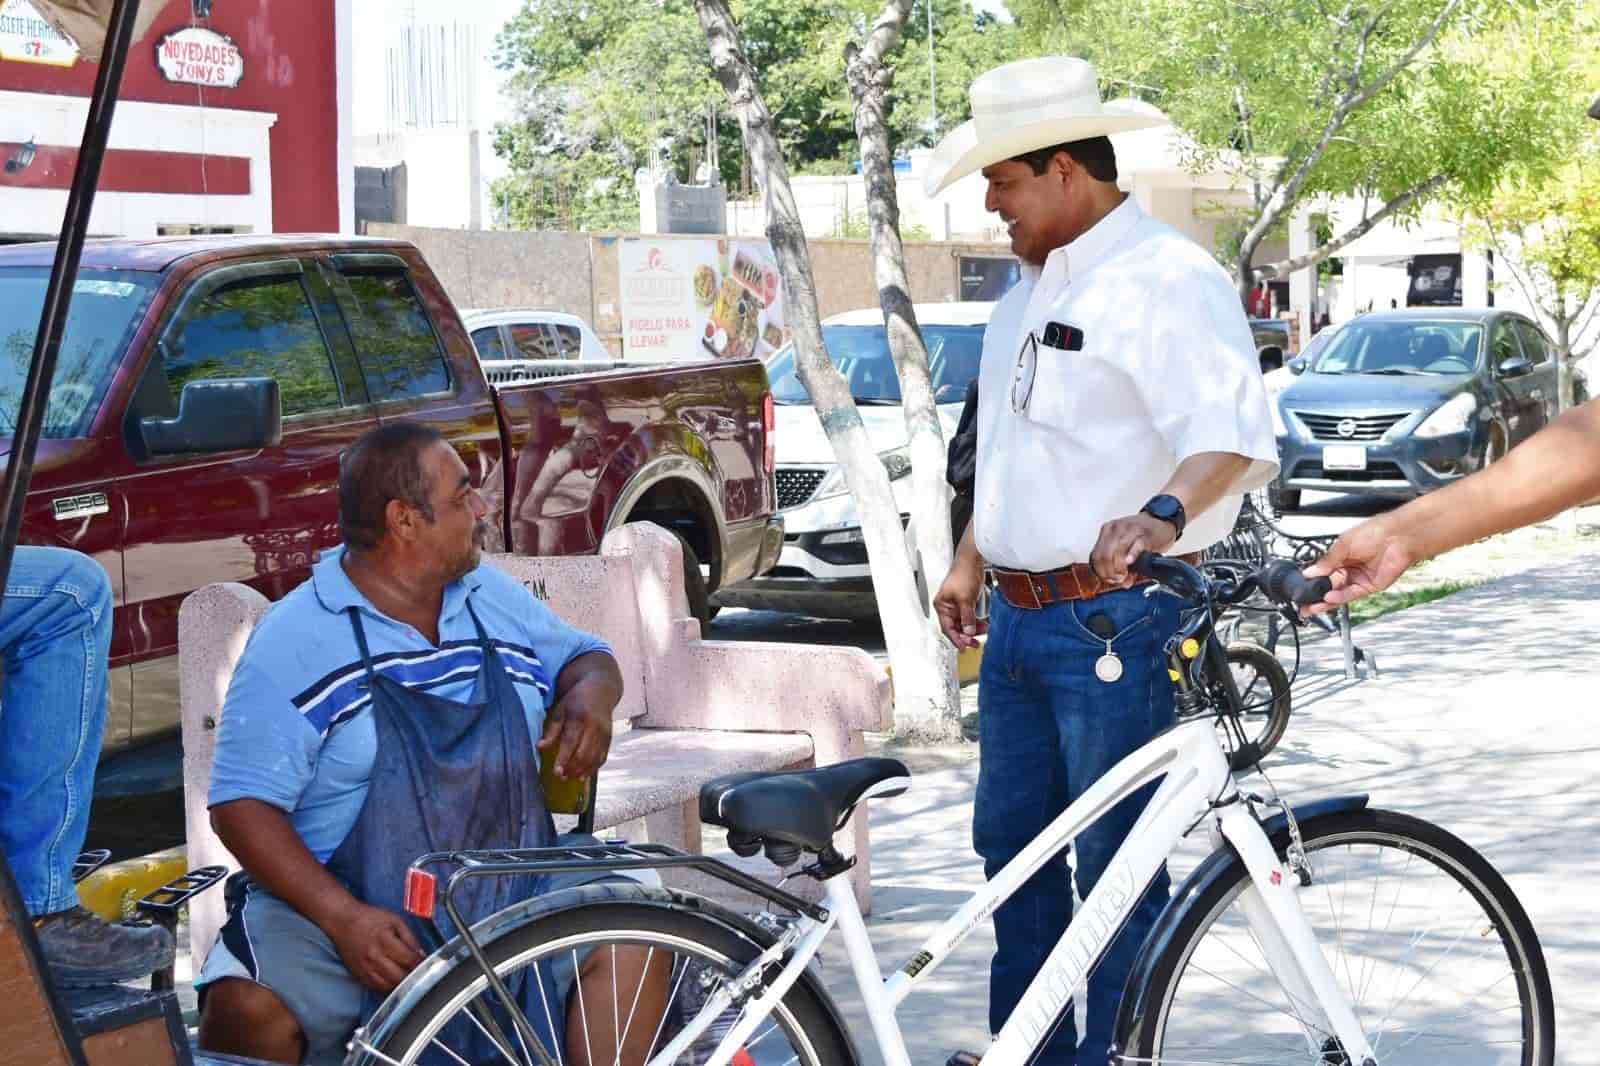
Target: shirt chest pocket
<point>1075,392</point>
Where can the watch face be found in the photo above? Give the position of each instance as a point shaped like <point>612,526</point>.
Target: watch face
<point>1163,507</point>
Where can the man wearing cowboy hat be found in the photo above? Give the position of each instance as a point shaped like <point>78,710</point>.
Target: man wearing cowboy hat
<point>1120,410</point>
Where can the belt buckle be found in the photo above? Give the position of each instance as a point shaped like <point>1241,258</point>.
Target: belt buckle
<point>1035,582</point>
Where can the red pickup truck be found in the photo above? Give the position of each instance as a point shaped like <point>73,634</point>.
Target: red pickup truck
<point>207,386</point>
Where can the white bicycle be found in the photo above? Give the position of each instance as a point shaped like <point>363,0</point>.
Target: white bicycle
<point>1332,934</point>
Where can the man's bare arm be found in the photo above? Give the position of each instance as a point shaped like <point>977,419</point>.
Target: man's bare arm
<point>956,601</point>
<point>1556,468</point>
<point>588,689</point>
<point>375,944</point>
<point>1199,482</point>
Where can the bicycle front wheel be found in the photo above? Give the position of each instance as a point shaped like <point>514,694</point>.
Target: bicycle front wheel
<point>1264,700</point>
<point>1433,949</point>
<point>643,972</point>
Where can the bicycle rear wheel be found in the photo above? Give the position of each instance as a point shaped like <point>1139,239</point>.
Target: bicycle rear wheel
<point>1437,956</point>
<point>680,959</point>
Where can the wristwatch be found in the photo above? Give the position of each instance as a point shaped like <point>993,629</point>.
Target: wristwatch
<point>1168,509</point>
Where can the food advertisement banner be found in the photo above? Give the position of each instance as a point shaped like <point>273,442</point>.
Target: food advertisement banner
<point>697,299</point>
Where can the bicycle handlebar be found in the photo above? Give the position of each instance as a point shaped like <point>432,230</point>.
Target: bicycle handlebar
<point>1283,582</point>
<point>1280,579</point>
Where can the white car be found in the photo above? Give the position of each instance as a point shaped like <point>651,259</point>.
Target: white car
<point>823,567</point>
<point>514,333</point>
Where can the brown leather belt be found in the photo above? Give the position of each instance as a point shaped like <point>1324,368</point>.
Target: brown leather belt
<point>1030,590</point>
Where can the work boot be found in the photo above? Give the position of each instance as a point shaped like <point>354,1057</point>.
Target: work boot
<point>82,951</point>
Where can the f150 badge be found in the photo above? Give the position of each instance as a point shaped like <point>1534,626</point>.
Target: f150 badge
<point>83,505</point>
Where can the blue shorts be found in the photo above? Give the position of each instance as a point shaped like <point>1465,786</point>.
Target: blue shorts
<point>269,942</point>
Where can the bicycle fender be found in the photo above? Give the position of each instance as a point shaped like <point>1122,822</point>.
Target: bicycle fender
<point>417,984</point>
<point>1134,1005</point>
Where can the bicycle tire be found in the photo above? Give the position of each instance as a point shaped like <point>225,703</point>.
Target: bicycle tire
<point>1154,1037</point>
<point>1271,708</point>
<point>805,1017</point>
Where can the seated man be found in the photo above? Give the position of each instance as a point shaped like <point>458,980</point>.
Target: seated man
<point>384,709</point>
<point>55,633</point>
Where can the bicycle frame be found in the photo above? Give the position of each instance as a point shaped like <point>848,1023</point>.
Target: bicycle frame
<point>1196,787</point>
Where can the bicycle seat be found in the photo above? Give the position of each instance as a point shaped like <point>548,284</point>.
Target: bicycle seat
<point>800,807</point>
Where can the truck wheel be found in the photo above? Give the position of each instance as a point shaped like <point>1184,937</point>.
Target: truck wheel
<point>694,585</point>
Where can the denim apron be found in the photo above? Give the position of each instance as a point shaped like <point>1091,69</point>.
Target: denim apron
<point>450,776</point>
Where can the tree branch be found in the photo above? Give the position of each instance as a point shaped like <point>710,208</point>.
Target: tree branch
<point>1587,315</point>
<point>1286,192</point>
<point>1317,255</point>
<point>1382,81</point>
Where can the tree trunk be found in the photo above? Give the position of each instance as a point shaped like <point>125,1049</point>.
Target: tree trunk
<point>919,688</point>
<point>869,82</point>
<point>1564,394</point>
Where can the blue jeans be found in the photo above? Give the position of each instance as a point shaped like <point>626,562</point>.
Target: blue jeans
<point>55,634</point>
<point>1048,729</point>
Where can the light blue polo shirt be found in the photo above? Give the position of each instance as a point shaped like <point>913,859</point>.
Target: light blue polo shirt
<point>296,729</point>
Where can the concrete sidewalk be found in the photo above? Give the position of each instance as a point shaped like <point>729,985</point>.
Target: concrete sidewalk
<point>1483,721</point>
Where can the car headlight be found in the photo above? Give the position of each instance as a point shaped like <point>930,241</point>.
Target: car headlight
<point>832,483</point>
<point>1279,429</point>
<point>1451,417</point>
<point>896,463</point>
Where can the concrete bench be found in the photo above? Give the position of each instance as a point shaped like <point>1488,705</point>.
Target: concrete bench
<point>692,708</point>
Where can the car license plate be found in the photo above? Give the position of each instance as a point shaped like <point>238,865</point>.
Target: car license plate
<point>1344,457</point>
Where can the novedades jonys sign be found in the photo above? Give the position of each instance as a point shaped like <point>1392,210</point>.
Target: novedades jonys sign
<point>195,55</point>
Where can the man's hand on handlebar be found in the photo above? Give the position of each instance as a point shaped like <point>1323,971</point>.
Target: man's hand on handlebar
<point>1278,579</point>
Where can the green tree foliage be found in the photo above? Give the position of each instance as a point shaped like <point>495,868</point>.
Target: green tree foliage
<point>1545,233</point>
<point>1397,102</point>
<point>604,86</point>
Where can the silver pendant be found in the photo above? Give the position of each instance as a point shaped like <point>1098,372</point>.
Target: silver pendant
<point>1108,668</point>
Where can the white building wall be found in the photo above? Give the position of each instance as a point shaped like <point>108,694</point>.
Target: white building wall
<point>50,119</point>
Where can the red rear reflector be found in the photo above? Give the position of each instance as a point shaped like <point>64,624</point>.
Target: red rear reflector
<point>742,1058</point>
<point>769,421</point>
<point>420,887</point>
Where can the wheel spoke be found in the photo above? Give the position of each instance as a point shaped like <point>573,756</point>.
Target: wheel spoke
<point>583,1010</point>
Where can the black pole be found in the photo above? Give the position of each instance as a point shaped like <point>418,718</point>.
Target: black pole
<point>30,416</point>
<point>69,248</point>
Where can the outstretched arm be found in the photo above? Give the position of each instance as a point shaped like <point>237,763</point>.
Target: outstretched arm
<point>1556,468</point>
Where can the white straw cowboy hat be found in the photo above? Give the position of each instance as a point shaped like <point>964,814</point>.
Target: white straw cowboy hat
<point>1032,104</point>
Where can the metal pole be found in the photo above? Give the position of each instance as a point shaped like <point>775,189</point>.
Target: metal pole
<point>58,296</point>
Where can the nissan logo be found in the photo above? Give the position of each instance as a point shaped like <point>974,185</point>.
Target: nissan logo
<point>1346,428</point>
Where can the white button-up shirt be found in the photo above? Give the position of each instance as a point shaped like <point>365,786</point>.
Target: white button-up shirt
<point>1167,370</point>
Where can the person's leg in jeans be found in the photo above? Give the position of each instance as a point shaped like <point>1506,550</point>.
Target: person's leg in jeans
<point>55,634</point>
<point>1100,724</point>
<point>1021,788</point>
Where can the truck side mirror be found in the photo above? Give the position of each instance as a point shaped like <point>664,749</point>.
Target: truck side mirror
<point>218,416</point>
<point>1516,367</point>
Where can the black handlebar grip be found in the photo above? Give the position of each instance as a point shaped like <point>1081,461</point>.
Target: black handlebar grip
<point>1283,581</point>
<point>1142,565</point>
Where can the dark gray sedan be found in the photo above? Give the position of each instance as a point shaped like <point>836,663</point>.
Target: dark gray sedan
<point>1401,402</point>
